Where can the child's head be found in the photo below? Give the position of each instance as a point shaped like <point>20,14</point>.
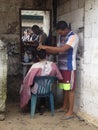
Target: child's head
<point>41,54</point>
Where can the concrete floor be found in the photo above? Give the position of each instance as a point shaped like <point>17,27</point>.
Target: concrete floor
<point>15,120</point>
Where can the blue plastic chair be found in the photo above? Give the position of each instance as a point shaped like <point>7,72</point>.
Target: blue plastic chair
<point>44,90</point>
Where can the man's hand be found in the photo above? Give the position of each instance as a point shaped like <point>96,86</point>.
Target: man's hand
<point>41,47</point>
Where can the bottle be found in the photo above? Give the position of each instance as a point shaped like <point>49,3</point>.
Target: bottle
<point>26,58</point>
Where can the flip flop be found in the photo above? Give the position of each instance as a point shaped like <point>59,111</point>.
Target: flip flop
<point>67,117</point>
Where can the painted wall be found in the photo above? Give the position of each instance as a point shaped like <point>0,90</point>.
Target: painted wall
<point>84,20</point>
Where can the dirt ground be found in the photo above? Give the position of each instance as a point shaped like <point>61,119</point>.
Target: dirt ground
<point>16,120</point>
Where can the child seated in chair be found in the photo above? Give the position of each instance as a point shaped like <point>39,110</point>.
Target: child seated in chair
<point>41,68</point>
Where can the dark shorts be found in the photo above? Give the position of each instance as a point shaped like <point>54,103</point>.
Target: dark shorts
<point>69,80</point>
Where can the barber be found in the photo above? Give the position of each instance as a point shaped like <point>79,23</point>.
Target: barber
<point>67,51</point>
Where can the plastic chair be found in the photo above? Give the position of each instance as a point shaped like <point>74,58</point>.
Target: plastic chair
<point>44,90</point>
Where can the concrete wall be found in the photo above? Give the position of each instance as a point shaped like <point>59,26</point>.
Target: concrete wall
<point>10,38</point>
<point>10,24</point>
<point>90,81</point>
<point>84,20</point>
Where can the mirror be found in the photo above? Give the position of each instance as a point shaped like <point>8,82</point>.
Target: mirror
<point>35,29</point>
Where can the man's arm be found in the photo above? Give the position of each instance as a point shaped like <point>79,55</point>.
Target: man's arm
<point>42,38</point>
<point>54,50</point>
<point>72,41</point>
